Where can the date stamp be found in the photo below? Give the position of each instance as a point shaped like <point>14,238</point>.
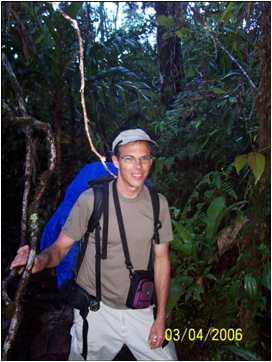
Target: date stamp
<point>212,334</point>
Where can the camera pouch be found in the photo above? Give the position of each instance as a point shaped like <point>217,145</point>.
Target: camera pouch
<point>141,290</point>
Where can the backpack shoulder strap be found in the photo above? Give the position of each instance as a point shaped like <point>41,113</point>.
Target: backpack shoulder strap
<point>101,205</point>
<point>155,200</point>
<point>97,208</point>
<point>156,213</point>
<point>100,191</point>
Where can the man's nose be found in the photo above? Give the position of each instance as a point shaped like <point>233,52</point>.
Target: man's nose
<point>138,162</point>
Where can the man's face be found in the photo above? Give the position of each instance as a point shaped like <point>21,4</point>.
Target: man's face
<point>134,162</point>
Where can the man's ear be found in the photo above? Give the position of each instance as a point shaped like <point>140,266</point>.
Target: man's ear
<point>115,161</point>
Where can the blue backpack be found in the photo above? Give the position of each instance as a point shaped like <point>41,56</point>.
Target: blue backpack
<point>51,231</point>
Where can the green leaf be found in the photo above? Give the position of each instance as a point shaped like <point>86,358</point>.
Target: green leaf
<point>164,20</point>
<point>227,13</point>
<point>256,162</point>
<point>186,280</point>
<point>211,276</point>
<point>231,75</point>
<point>184,233</point>
<point>208,194</point>
<point>186,249</point>
<point>184,240</point>
<point>242,353</point>
<point>217,180</point>
<point>169,162</point>
<point>214,214</point>
<point>189,293</point>
<point>179,34</point>
<point>232,99</point>
<point>240,162</point>
<point>218,91</point>
<point>263,249</point>
<point>198,291</point>
<point>250,285</point>
<point>216,208</point>
<point>183,32</point>
<point>175,293</point>
<point>167,35</point>
<point>117,71</point>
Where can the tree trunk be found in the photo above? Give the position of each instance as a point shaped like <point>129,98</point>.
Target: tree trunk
<point>169,51</point>
<point>259,209</point>
<point>263,101</point>
<point>264,91</point>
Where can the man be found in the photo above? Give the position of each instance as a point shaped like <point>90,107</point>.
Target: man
<point>114,324</point>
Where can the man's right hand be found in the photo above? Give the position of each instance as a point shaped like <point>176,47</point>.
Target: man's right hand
<point>20,261</point>
<point>48,258</point>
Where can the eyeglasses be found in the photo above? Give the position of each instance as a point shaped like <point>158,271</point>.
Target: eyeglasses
<point>131,160</point>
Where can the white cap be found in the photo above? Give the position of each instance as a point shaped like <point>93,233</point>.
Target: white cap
<point>131,135</point>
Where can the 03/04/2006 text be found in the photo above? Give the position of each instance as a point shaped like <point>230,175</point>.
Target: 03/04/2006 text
<point>213,334</point>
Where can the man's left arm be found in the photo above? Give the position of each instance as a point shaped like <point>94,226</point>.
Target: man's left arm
<point>162,283</point>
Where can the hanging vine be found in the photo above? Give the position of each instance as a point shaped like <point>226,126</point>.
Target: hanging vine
<point>82,86</point>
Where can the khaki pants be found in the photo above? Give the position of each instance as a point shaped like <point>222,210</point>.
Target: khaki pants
<point>110,328</point>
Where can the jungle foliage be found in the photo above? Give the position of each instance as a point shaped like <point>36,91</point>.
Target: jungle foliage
<point>209,108</point>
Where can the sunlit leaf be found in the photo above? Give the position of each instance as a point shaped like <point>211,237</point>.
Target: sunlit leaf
<point>240,162</point>
<point>256,162</point>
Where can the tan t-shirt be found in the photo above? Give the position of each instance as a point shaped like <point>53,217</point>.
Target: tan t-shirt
<point>138,221</point>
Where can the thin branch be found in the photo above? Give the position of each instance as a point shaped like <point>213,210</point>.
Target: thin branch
<point>15,84</point>
<point>17,316</point>
<point>22,34</point>
<point>28,175</point>
<point>82,88</point>
<point>5,297</point>
<point>200,19</point>
<point>116,14</point>
<point>27,188</point>
<point>34,235</point>
<point>28,168</point>
<point>235,61</point>
<point>33,122</point>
